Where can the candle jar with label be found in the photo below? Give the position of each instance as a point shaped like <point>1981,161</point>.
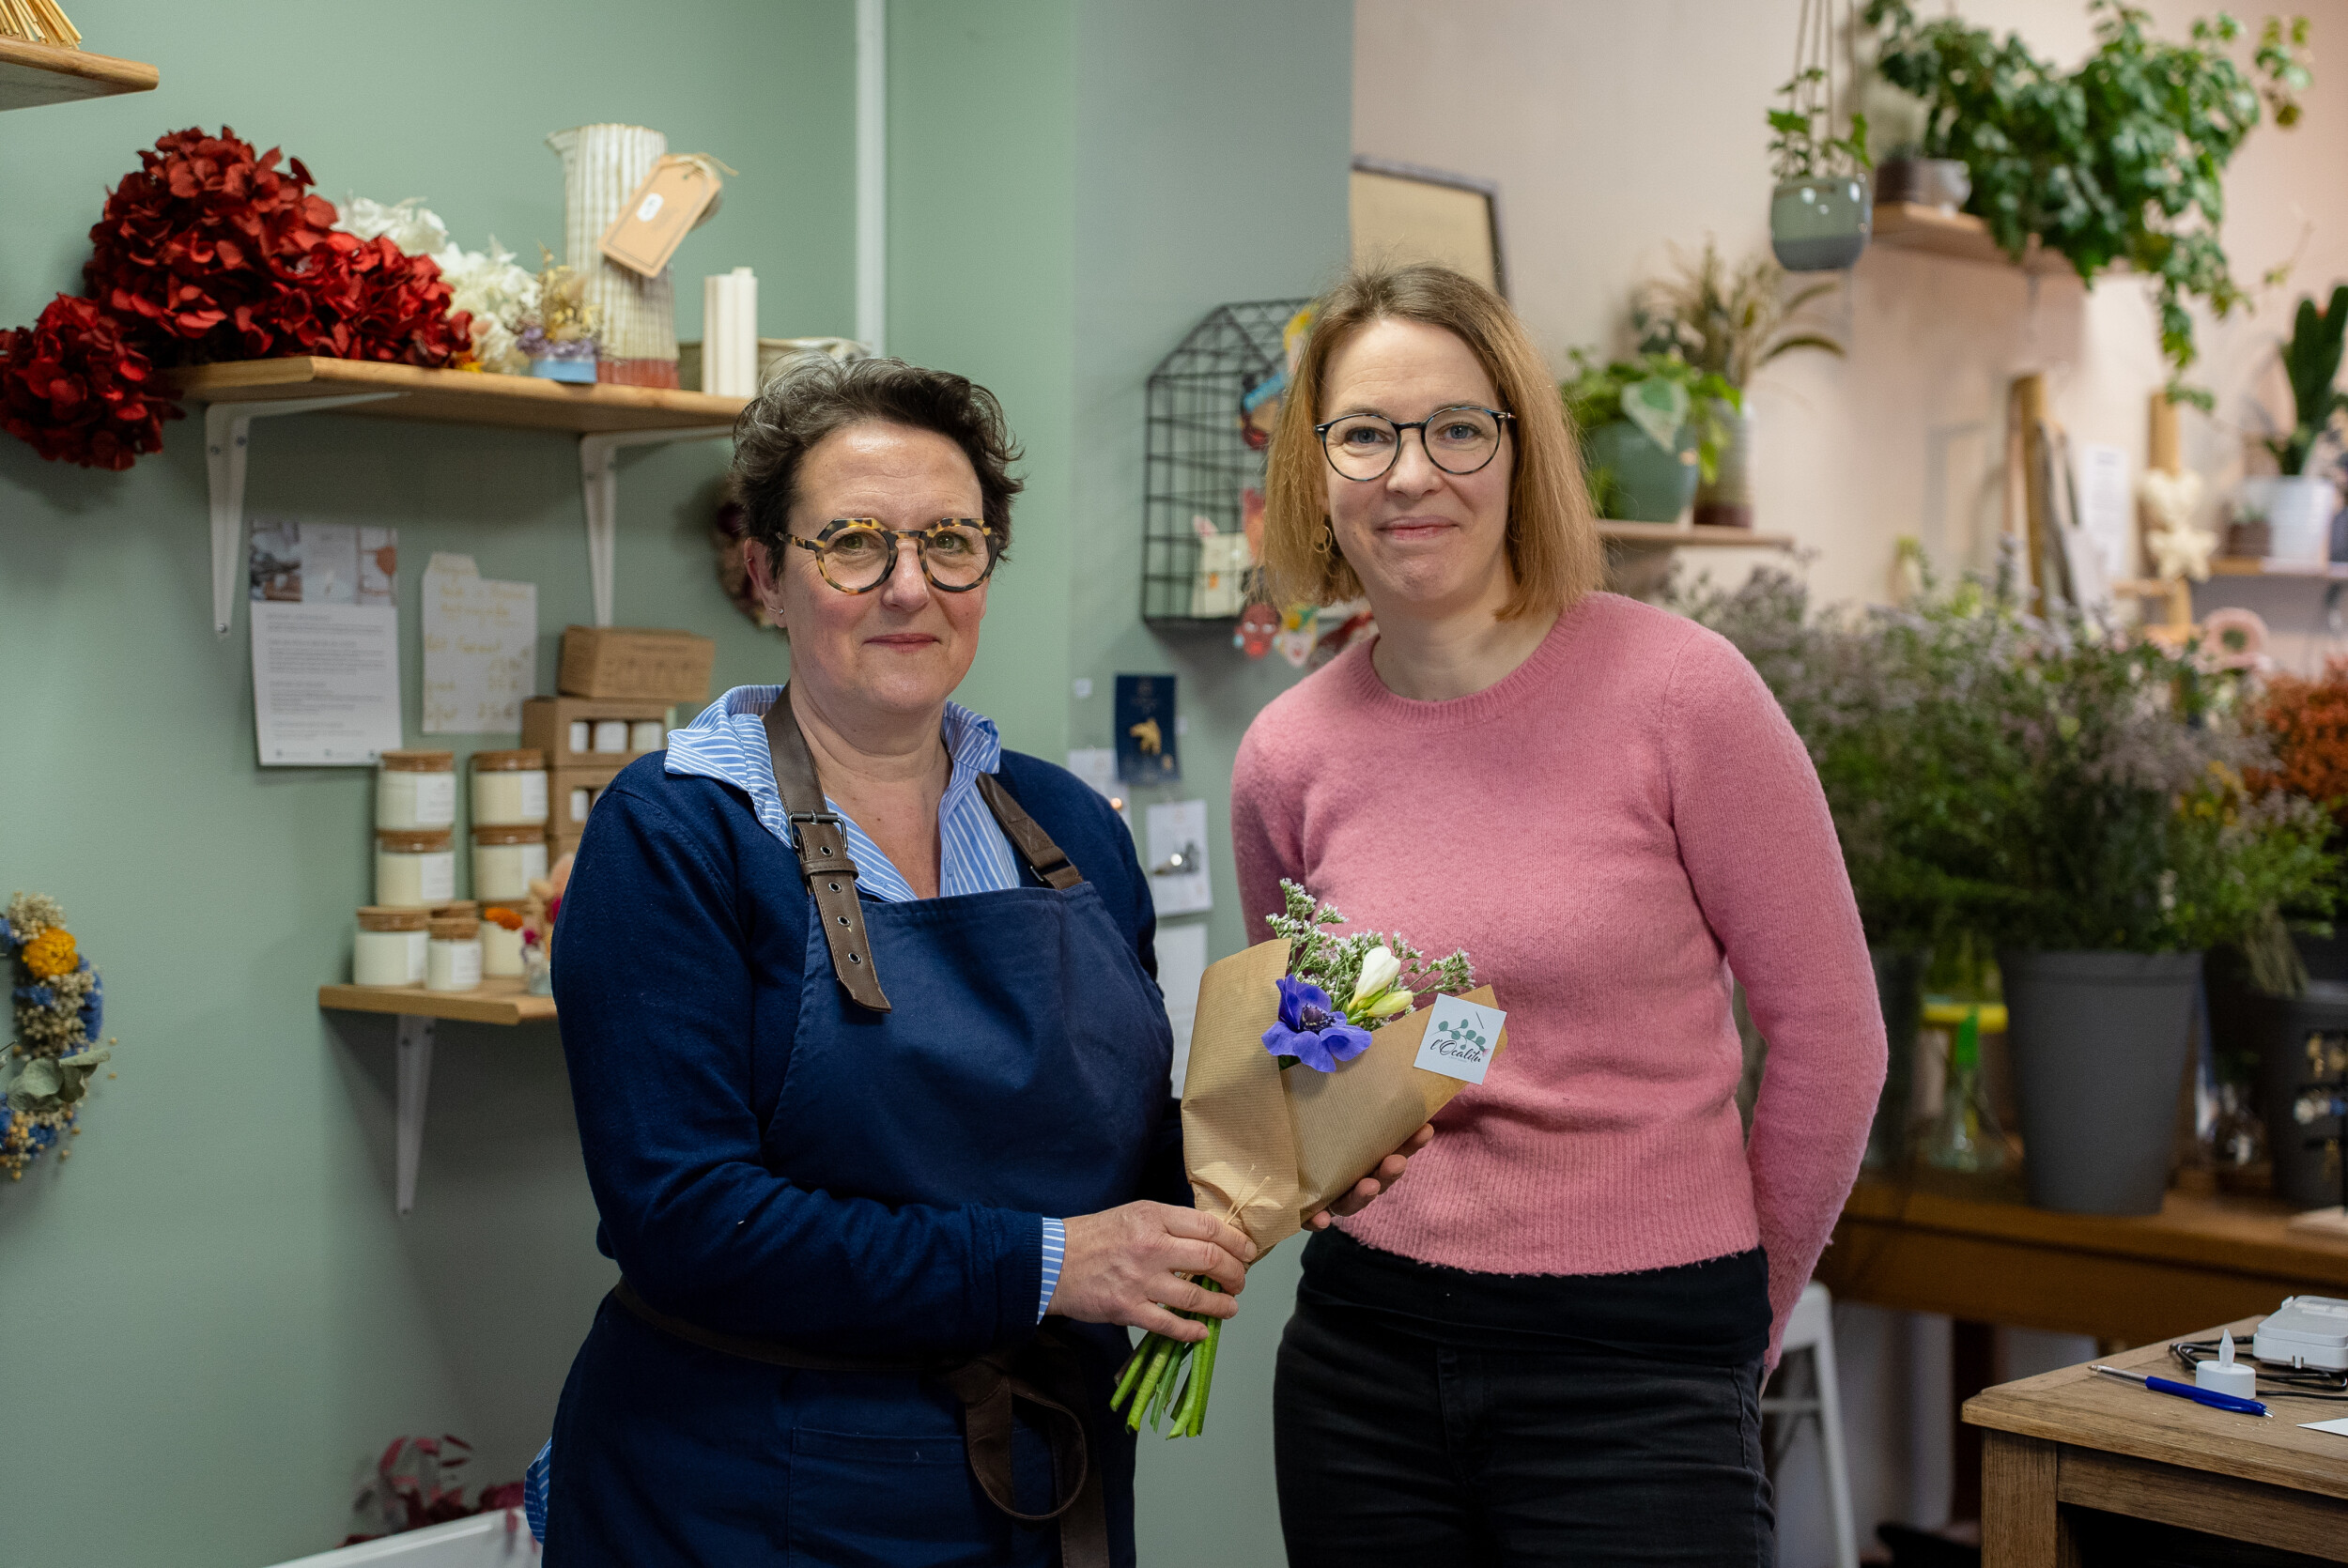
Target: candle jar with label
<point>611,736</point>
<point>505,860</point>
<point>414,869</point>
<point>502,942</point>
<point>388,949</point>
<point>415,790</point>
<point>509,788</point>
<point>452,961</point>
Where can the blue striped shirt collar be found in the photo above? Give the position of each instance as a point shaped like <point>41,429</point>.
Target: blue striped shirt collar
<point>728,742</point>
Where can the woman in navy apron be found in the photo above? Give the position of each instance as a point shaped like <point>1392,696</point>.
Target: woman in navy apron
<point>870,1062</point>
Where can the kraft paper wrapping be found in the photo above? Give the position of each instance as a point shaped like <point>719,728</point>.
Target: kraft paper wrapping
<point>1268,1148</point>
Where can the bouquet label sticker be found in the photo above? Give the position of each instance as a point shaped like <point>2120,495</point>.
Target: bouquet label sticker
<point>1461,1038</point>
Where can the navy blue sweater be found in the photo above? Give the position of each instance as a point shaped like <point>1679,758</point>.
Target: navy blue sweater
<point>678,968</point>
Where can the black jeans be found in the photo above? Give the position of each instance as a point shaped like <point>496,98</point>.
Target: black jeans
<point>1401,1451</point>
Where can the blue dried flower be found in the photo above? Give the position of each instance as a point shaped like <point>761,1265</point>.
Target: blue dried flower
<point>93,1012</point>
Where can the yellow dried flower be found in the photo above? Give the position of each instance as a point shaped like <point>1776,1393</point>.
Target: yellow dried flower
<point>50,954</point>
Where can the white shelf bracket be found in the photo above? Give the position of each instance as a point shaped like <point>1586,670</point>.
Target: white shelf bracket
<point>415,1082</point>
<point>599,486</point>
<point>227,430</point>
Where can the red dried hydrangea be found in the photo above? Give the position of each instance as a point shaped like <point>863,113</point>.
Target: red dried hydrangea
<point>73,386</point>
<point>210,251</point>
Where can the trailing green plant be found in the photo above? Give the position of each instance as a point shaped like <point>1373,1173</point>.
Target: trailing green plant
<point>2119,161</point>
<point>1731,322</point>
<point>1799,147</point>
<point>2312,361</point>
<point>1661,392</point>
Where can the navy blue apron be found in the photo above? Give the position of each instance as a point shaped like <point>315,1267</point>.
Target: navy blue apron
<point>1022,1063</point>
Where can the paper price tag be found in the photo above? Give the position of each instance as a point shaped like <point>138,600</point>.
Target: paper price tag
<point>1461,1038</point>
<point>675,197</point>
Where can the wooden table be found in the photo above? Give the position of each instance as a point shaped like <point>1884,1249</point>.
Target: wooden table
<point>1974,1250</point>
<point>2071,1439</point>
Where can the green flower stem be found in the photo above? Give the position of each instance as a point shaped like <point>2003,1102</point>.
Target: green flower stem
<point>1130,1374</point>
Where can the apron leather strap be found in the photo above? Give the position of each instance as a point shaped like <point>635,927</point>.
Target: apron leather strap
<point>823,850</point>
<point>1048,1373</point>
<point>1050,861</point>
<point>824,862</point>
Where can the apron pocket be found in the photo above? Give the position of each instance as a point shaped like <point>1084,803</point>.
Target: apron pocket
<point>869,1500</point>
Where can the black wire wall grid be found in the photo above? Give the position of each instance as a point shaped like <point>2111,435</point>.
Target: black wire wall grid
<point>1196,459</point>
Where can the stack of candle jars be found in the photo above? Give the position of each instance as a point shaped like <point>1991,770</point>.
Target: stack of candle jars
<point>509,825</point>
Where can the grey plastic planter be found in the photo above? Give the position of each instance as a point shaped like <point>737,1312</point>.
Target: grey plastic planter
<point>2099,1046</point>
<point>1900,990</point>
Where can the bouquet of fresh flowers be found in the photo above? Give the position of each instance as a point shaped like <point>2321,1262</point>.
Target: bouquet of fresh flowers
<point>1266,1145</point>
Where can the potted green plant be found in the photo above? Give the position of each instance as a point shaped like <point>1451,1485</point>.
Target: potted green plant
<point>2118,162</point>
<point>1650,432</point>
<point>2297,504</point>
<point>2077,801</point>
<point>1731,323</point>
<point>1820,211</point>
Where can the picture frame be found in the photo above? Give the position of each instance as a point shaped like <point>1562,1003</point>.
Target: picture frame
<point>1406,212</point>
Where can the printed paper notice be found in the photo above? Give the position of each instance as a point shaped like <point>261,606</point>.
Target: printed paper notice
<point>480,649</point>
<point>325,642</point>
<point>1461,1038</point>
<point>1181,964</point>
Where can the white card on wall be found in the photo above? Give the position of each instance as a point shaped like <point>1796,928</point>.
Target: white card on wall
<point>1176,863</point>
<point>1461,1038</point>
<point>1181,964</point>
<point>2107,509</point>
<point>480,649</point>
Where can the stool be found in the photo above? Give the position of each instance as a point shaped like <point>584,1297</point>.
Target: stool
<point>1811,1327</point>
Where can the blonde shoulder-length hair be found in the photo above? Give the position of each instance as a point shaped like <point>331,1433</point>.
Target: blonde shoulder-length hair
<point>1554,552</point>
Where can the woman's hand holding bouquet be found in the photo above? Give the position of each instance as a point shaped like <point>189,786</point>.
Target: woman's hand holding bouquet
<point>1273,1150</point>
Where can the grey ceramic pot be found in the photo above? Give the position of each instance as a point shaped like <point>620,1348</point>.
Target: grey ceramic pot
<point>1821,226</point>
<point>1645,484</point>
<point>1941,182</point>
<point>1900,990</point>
<point>2099,1046</point>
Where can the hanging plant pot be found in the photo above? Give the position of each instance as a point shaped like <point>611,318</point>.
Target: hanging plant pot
<point>2099,1047</point>
<point>1821,226</point>
<point>1634,479</point>
<point>1726,499</point>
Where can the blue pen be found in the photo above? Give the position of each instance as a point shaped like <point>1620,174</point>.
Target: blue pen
<point>2210,1397</point>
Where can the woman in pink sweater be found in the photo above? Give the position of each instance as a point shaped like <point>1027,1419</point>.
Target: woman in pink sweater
<point>1547,1344</point>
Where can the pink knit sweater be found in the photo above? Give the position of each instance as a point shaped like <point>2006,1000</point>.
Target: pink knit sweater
<point>1610,831</point>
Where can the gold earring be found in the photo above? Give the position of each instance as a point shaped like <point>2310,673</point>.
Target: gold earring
<point>1327,538</point>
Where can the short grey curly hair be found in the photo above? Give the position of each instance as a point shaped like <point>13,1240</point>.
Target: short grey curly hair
<point>818,395</point>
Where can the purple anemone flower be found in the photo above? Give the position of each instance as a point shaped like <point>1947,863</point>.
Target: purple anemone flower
<point>1311,1029</point>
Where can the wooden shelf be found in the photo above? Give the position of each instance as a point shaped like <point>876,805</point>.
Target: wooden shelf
<point>1959,236</point>
<point>1673,535</point>
<point>2267,566</point>
<point>455,396</point>
<point>498,1001</point>
<point>33,74</point>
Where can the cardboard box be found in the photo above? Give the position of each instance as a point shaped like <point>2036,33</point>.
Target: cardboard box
<point>564,784</point>
<point>547,725</point>
<point>636,663</point>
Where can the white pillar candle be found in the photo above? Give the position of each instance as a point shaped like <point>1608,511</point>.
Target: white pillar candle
<point>582,735</point>
<point>610,734</point>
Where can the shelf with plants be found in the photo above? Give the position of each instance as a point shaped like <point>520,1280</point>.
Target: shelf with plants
<point>1691,536</point>
<point>35,74</point>
<point>1958,237</point>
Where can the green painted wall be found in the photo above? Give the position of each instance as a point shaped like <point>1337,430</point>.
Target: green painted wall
<point>1073,186</point>
<point>214,1317</point>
